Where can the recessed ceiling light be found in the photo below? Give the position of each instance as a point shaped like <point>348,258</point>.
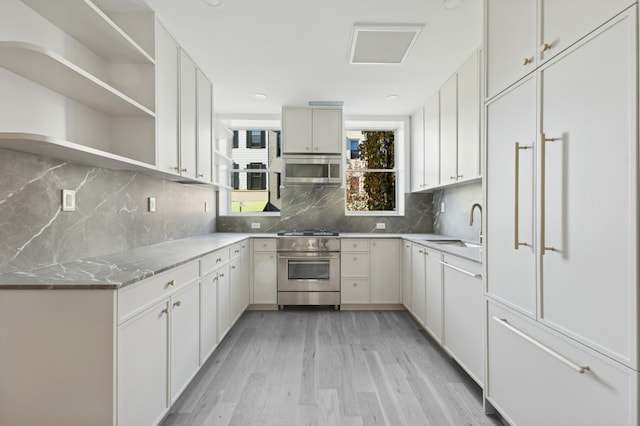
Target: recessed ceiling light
<point>393,97</point>
<point>451,4</point>
<point>214,3</point>
<point>260,96</point>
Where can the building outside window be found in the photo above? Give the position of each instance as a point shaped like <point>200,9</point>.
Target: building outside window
<point>371,172</point>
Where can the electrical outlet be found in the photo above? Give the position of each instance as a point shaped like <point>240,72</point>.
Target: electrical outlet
<point>151,204</point>
<point>442,207</point>
<point>68,200</point>
<point>381,225</point>
<point>255,225</point>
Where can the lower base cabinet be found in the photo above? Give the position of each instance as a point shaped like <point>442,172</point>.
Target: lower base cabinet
<point>537,377</point>
<point>208,315</point>
<point>185,338</point>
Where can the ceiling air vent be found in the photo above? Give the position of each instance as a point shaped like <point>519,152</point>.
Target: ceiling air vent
<point>382,44</point>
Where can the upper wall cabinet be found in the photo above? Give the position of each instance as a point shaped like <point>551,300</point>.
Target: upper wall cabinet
<point>516,41</point>
<point>312,130</point>
<point>446,137</point>
<point>76,85</point>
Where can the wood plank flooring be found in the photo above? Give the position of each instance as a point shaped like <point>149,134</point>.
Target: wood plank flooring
<point>326,367</point>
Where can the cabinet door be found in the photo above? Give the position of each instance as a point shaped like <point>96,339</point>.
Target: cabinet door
<point>431,142</point>
<point>188,116</point>
<point>235,289</point>
<point>510,41</point>
<point>143,365</point>
<point>406,274</point>
<point>224,302</point>
<point>327,131</point>
<point>511,122</point>
<point>418,283</point>
<point>468,153</point>
<point>354,264</point>
<point>208,316</point>
<point>244,269</point>
<point>433,293</point>
<point>417,150</point>
<point>296,130</point>
<point>463,300</point>
<point>385,266</point>
<point>264,277</point>
<point>185,338</point>
<point>355,290</point>
<point>448,131</point>
<point>589,279</point>
<point>205,129</point>
<point>564,22</point>
<point>167,102</point>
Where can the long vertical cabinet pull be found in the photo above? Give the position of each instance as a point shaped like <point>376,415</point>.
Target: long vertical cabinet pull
<point>516,210</point>
<point>543,159</point>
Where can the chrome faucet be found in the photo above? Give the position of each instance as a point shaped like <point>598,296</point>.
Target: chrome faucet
<point>473,207</point>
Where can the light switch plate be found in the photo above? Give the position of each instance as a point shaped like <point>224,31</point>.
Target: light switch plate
<point>151,204</point>
<point>255,225</point>
<point>68,200</point>
<point>381,225</point>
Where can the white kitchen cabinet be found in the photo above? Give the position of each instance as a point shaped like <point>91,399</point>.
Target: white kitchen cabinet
<point>208,315</point>
<point>418,283</point>
<point>188,117</point>
<point>355,290</point>
<point>463,314</point>
<point>417,150</point>
<point>312,130</point>
<point>406,274</point>
<point>468,118</point>
<point>531,366</point>
<point>245,266</point>
<point>59,68</point>
<point>433,293</point>
<point>432,142</point>
<point>205,128</point>
<point>224,302</point>
<point>588,274</point>
<point>235,289</point>
<point>265,271</point>
<point>510,215</point>
<point>167,100</point>
<point>523,34</point>
<point>354,264</point>
<point>384,277</point>
<point>449,131</point>
<point>143,366</point>
<point>185,338</point>
<point>354,271</point>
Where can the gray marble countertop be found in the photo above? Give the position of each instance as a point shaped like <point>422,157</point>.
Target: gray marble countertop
<point>118,270</point>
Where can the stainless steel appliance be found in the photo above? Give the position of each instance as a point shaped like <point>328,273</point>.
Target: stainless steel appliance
<point>308,268</point>
<point>312,169</point>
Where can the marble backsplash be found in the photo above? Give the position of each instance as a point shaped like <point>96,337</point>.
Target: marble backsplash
<point>454,221</point>
<point>316,207</point>
<point>111,211</point>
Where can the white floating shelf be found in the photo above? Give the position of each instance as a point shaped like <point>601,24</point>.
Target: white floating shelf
<point>85,22</point>
<point>51,70</point>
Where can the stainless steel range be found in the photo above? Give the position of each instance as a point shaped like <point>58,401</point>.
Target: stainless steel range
<point>308,268</point>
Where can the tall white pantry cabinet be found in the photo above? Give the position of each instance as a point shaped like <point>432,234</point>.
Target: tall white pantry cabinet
<point>561,172</point>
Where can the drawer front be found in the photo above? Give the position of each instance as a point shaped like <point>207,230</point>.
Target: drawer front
<point>354,244</point>
<point>212,261</point>
<point>354,264</point>
<point>264,244</point>
<point>235,250</point>
<point>531,385</point>
<point>354,290</point>
<point>135,297</point>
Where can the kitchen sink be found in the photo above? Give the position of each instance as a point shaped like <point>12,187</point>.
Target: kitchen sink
<point>455,243</point>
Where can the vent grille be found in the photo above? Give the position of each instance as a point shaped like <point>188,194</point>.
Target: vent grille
<point>382,44</point>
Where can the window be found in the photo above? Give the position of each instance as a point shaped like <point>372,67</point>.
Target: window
<point>255,174</point>
<point>371,172</point>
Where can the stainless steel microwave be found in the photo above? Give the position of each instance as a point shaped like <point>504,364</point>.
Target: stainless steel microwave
<point>312,169</point>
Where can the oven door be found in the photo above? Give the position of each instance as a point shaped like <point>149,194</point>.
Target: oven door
<point>308,271</point>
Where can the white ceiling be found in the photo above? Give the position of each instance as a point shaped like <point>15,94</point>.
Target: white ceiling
<point>295,51</point>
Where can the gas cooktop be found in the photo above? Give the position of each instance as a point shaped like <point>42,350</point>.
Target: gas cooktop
<point>308,233</point>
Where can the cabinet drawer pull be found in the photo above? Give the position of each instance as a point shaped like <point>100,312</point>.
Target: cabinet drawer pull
<point>526,61</point>
<point>183,170</point>
<point>222,275</point>
<point>545,47</point>
<point>171,283</point>
<point>579,368</point>
<point>471,274</point>
<point>164,311</point>
<point>178,303</point>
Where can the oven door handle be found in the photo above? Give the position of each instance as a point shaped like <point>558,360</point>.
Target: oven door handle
<point>310,256</point>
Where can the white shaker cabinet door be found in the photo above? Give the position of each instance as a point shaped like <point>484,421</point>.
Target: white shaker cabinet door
<point>264,278</point>
<point>205,128</point>
<point>468,132</point>
<point>167,102</point>
<point>431,155</point>
<point>185,338</point>
<point>208,316</point>
<point>406,274</point>
<point>417,150</point>
<point>418,288</point>
<point>433,293</point>
<point>449,132</point>
<point>188,116</point>
<point>511,139</point>
<point>327,131</point>
<point>510,42</point>
<point>224,300</point>
<point>385,265</point>
<point>589,268</point>
<point>296,130</point>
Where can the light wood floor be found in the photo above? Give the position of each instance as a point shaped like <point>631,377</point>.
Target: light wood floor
<point>325,367</point>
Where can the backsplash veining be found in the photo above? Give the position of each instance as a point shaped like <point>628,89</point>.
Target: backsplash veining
<point>455,219</point>
<point>316,207</point>
<point>111,211</point>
